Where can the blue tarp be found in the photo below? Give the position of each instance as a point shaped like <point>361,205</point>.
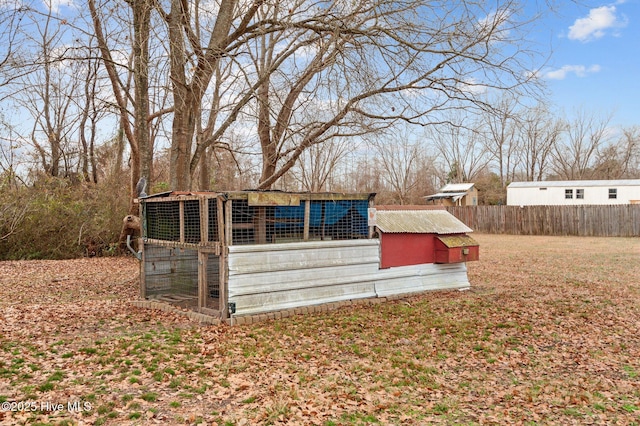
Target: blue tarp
<point>334,211</point>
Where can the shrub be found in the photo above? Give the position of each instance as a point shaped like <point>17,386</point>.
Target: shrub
<point>62,219</point>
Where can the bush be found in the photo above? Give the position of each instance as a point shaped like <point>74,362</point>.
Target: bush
<point>61,219</point>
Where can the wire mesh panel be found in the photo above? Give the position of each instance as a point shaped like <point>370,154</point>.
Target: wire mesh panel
<point>184,251</point>
<point>171,275</point>
<point>173,220</point>
<point>213,282</point>
<point>251,224</point>
<point>289,223</point>
<point>179,267</point>
<point>191,221</point>
<point>338,220</point>
<point>214,235</point>
<point>328,220</point>
<point>162,220</point>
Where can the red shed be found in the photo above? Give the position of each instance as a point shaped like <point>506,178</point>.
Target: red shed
<point>417,236</point>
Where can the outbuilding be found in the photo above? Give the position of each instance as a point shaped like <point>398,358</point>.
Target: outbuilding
<point>232,254</point>
<point>417,236</point>
<point>455,194</point>
<point>574,192</point>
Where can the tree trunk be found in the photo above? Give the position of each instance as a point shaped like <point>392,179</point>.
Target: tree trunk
<point>268,146</point>
<point>187,96</point>
<point>141,22</point>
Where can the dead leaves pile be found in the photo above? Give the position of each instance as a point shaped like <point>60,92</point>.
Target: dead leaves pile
<point>549,333</point>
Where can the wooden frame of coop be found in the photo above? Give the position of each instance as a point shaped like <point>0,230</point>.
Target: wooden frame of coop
<point>187,237</point>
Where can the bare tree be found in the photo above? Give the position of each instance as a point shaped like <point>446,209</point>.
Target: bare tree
<point>89,107</point>
<point>315,70</point>
<point>462,155</point>
<point>48,94</point>
<point>630,152</point>
<point>13,64</point>
<point>120,86</point>
<point>575,157</point>
<point>539,131</point>
<point>319,164</point>
<point>360,173</point>
<point>374,64</point>
<point>399,160</point>
<point>296,74</point>
<point>620,159</point>
<point>8,147</point>
<point>501,138</point>
<point>192,67</point>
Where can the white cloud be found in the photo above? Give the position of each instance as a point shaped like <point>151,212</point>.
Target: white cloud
<point>596,24</point>
<point>10,4</point>
<point>472,86</point>
<point>578,70</point>
<point>496,24</point>
<point>55,5</point>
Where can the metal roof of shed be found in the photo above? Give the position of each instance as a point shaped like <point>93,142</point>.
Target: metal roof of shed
<point>419,222</point>
<point>456,187</point>
<point>455,196</point>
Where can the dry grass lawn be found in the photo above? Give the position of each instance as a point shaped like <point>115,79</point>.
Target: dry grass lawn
<point>549,334</point>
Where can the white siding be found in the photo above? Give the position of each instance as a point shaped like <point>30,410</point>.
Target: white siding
<point>273,277</point>
<point>418,278</point>
<point>595,193</point>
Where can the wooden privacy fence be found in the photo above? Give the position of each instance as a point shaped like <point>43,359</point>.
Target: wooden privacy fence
<point>598,221</point>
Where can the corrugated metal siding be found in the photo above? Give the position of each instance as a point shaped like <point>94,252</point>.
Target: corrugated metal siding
<point>419,221</point>
<point>272,277</point>
<point>419,278</point>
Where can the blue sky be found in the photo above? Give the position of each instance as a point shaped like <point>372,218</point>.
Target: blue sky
<point>595,58</point>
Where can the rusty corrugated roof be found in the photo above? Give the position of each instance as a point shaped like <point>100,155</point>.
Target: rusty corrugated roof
<point>419,222</point>
<point>458,241</point>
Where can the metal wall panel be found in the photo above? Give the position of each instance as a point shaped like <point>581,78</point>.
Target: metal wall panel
<point>273,277</point>
<point>419,278</point>
<point>308,255</point>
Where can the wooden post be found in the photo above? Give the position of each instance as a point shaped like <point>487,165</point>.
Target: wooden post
<point>222,289</point>
<point>322,219</point>
<point>371,228</point>
<point>181,204</point>
<point>220,215</point>
<point>204,220</point>
<point>307,219</point>
<point>143,233</point>
<point>222,270</point>
<point>260,226</point>
<point>228,222</point>
<point>202,279</point>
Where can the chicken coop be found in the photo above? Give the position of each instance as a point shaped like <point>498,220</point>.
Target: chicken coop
<point>249,252</point>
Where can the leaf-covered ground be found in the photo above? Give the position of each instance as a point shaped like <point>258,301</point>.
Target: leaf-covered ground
<point>549,334</point>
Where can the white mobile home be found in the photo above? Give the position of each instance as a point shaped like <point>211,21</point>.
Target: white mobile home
<point>574,192</point>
